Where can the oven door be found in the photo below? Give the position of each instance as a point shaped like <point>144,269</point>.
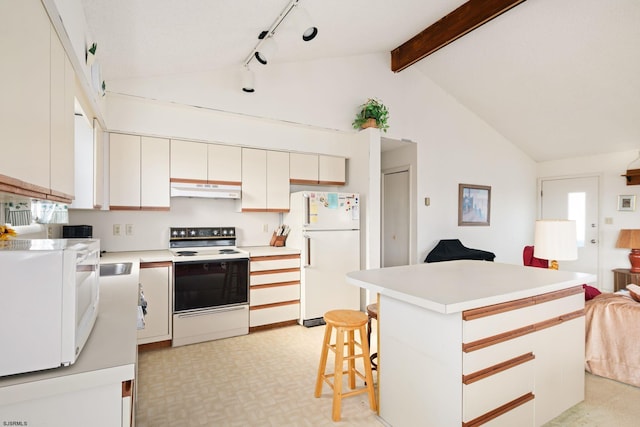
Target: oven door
<point>206,284</point>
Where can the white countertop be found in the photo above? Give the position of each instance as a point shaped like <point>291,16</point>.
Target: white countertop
<point>454,286</point>
<point>135,256</point>
<point>109,355</point>
<point>255,251</point>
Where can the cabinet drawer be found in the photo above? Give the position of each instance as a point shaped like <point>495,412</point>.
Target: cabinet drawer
<point>276,277</point>
<point>494,354</point>
<point>522,415</point>
<point>274,263</point>
<point>535,312</point>
<point>274,294</point>
<point>268,315</point>
<point>487,394</point>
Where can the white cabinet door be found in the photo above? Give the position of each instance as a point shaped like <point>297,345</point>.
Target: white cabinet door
<point>277,181</point>
<point>188,160</point>
<point>124,171</point>
<point>98,165</point>
<point>154,177</point>
<point>25,34</point>
<point>224,164</point>
<point>331,170</point>
<point>254,182</point>
<point>303,168</point>
<point>155,279</point>
<point>62,121</point>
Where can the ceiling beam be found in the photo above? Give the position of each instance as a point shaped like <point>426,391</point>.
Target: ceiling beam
<point>461,21</point>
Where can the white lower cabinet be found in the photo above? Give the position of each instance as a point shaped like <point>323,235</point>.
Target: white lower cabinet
<point>514,371</point>
<point>155,281</point>
<point>274,289</point>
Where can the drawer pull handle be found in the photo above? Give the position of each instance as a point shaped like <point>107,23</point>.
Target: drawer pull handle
<point>500,367</point>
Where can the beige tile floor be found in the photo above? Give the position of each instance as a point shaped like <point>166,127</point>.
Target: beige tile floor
<point>267,379</point>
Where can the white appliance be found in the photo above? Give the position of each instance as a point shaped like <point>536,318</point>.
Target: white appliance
<point>49,293</point>
<point>210,285</point>
<point>208,191</point>
<point>325,227</point>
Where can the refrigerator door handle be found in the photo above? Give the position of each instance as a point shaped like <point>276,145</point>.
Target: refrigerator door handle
<point>307,210</point>
<point>307,242</point>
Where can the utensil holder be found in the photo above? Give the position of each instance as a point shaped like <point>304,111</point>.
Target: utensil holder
<point>278,241</point>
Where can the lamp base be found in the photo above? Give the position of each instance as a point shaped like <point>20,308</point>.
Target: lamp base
<point>634,259</point>
<point>553,264</point>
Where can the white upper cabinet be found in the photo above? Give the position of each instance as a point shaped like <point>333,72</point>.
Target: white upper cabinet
<point>317,169</point>
<point>277,181</point>
<point>124,171</point>
<point>25,34</point>
<point>138,172</point>
<point>89,167</point>
<point>331,170</point>
<point>303,168</point>
<point>188,161</point>
<point>62,121</point>
<point>265,181</point>
<point>224,164</point>
<point>98,165</point>
<point>154,173</point>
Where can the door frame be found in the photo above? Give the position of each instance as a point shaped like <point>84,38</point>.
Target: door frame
<point>600,177</point>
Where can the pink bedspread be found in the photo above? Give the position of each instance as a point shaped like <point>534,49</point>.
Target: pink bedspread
<point>613,338</point>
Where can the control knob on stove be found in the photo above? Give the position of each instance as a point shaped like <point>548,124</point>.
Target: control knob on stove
<point>224,231</point>
<point>192,233</point>
<point>231,231</point>
<point>183,233</point>
<point>174,233</point>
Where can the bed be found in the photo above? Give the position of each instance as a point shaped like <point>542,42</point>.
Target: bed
<point>612,347</point>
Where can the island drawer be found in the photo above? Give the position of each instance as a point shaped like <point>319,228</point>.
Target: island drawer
<point>520,314</point>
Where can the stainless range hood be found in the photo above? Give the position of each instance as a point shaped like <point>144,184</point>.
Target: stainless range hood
<point>209,191</point>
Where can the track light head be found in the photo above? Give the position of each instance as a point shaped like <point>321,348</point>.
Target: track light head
<point>266,50</point>
<point>248,80</point>
<point>303,23</point>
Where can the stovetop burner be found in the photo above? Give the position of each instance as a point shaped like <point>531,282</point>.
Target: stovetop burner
<point>229,251</point>
<point>186,253</point>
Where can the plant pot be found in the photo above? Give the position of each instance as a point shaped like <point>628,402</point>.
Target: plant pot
<point>370,123</point>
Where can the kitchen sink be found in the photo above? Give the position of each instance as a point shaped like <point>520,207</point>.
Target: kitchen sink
<point>115,269</point>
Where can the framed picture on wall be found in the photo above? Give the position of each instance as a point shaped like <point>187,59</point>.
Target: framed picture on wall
<point>474,204</point>
<point>627,203</point>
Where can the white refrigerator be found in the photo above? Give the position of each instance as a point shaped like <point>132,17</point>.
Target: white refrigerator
<point>325,227</point>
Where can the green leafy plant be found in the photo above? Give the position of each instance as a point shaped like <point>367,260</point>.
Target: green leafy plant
<point>372,109</point>
<point>92,49</point>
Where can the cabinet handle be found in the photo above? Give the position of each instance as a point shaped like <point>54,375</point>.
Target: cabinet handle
<point>206,312</point>
<point>307,210</point>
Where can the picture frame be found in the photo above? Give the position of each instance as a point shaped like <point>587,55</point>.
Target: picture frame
<point>627,202</point>
<point>474,205</point>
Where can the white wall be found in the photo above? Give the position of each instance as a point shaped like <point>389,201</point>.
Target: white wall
<point>609,168</point>
<point>454,145</point>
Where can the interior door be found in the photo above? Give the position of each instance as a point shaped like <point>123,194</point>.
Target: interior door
<point>395,218</point>
<point>575,199</point>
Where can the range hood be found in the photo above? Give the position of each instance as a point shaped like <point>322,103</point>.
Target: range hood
<point>209,191</point>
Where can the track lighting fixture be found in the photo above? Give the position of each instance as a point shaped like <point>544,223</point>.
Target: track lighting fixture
<point>267,47</point>
<point>248,80</point>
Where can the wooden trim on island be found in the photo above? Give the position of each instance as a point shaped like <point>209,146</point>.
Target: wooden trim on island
<point>500,410</point>
<point>497,368</point>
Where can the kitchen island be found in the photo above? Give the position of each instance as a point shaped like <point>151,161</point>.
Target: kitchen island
<point>466,343</point>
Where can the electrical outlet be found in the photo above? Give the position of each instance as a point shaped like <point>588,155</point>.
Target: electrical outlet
<point>116,230</point>
<point>128,229</point>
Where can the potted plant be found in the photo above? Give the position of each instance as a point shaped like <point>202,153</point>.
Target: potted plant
<point>91,53</point>
<point>373,113</point>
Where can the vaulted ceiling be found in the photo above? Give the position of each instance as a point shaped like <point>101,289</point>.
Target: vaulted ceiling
<point>558,78</point>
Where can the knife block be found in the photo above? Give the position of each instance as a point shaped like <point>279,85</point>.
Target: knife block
<point>277,241</point>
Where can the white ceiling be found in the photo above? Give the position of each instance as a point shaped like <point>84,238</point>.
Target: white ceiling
<point>558,78</point>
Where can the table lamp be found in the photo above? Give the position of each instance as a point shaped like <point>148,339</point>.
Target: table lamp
<point>555,240</point>
<point>630,239</point>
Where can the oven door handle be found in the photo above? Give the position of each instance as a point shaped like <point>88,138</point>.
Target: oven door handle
<point>206,312</point>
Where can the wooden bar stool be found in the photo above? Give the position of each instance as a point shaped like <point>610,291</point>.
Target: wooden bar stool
<point>345,322</point>
<point>372,313</point>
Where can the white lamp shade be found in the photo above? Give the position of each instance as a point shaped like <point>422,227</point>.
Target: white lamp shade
<point>248,80</point>
<point>266,51</point>
<point>555,240</point>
